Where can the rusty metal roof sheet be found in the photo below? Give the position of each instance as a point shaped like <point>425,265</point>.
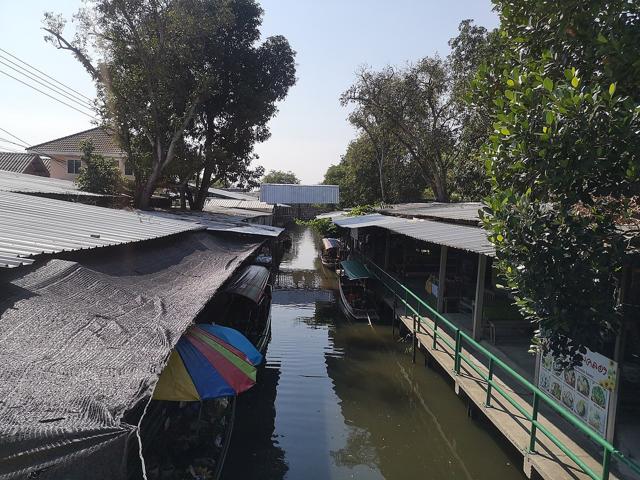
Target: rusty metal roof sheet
<point>31,226</point>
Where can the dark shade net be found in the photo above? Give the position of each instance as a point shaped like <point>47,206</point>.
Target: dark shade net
<point>82,345</point>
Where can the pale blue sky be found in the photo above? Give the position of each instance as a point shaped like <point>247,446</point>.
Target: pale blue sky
<point>332,39</point>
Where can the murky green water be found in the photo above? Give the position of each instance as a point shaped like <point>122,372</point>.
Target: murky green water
<point>340,400</point>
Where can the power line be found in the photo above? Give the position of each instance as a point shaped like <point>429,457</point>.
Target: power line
<point>45,93</point>
<point>45,84</point>
<point>48,76</point>
<point>10,149</point>
<point>13,136</point>
<point>12,143</point>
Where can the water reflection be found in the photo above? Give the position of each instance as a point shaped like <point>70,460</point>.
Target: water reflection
<point>342,400</point>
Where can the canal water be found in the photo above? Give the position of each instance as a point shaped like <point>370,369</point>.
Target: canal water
<point>340,400</point>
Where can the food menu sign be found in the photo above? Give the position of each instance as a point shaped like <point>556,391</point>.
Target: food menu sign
<point>585,389</point>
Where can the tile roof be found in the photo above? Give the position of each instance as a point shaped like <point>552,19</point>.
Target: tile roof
<point>103,141</point>
<point>17,162</point>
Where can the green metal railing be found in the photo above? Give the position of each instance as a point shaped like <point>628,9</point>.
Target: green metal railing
<point>439,323</point>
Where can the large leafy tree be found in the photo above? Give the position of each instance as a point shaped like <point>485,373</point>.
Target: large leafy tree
<point>423,108</point>
<point>158,65</point>
<point>563,160</point>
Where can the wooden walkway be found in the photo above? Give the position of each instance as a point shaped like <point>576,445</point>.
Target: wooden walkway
<point>548,461</point>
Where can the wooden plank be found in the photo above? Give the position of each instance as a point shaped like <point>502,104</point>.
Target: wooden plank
<point>548,460</point>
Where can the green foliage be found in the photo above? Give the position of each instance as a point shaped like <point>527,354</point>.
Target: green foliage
<point>280,176</point>
<point>563,161</point>
<point>358,175</point>
<point>361,210</point>
<point>98,175</point>
<point>324,226</point>
<point>423,108</point>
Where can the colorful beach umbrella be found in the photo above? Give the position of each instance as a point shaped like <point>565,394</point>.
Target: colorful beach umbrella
<point>209,361</point>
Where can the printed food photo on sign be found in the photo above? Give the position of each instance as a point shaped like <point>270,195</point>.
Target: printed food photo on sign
<point>583,385</point>
<point>570,377</point>
<point>581,408</point>
<point>595,420</point>
<point>567,397</point>
<point>544,381</point>
<point>556,389</point>
<point>599,396</point>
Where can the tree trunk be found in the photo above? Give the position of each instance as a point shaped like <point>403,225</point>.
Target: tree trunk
<point>144,201</point>
<point>440,190</point>
<point>201,194</point>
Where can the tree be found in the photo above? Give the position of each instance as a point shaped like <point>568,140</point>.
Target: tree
<point>98,175</point>
<point>563,161</point>
<point>280,176</point>
<point>358,175</point>
<point>160,64</point>
<point>423,108</point>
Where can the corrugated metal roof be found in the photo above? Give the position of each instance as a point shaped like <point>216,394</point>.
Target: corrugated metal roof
<point>292,194</point>
<point>24,183</point>
<point>221,223</point>
<point>463,237</point>
<point>466,212</point>
<point>104,143</point>
<point>252,204</point>
<point>20,162</point>
<point>224,193</point>
<point>31,226</point>
<point>235,214</point>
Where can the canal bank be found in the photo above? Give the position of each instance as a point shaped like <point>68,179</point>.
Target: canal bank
<point>338,399</point>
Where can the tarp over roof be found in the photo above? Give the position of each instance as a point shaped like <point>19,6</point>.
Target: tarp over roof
<point>355,270</point>
<point>83,345</point>
<point>31,226</point>
<point>463,237</point>
<point>250,283</point>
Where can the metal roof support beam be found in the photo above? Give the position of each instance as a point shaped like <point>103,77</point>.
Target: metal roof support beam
<point>478,305</point>
<point>442,275</point>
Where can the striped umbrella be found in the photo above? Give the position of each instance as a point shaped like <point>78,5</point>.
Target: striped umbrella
<point>209,361</point>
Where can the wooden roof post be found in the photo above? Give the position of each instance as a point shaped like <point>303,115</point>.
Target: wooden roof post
<point>442,275</point>
<point>479,301</point>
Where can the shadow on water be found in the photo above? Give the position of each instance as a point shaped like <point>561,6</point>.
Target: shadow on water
<point>339,400</point>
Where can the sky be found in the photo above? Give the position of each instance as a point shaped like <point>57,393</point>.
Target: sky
<point>333,40</point>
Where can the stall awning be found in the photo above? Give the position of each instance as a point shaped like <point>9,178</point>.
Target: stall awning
<point>355,270</point>
<point>250,283</point>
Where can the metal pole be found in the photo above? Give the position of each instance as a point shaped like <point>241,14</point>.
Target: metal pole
<point>456,356</point>
<point>435,333</point>
<point>442,273</point>
<point>479,300</point>
<point>414,339</point>
<point>606,464</point>
<point>534,419</point>
<point>487,402</point>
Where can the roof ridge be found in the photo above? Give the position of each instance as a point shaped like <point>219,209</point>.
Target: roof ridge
<point>99,127</point>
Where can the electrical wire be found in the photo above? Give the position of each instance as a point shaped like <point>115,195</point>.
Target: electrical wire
<point>45,84</point>
<point>26,144</point>
<point>45,93</point>
<point>48,76</point>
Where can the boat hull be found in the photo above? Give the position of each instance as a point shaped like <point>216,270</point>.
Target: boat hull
<point>367,315</point>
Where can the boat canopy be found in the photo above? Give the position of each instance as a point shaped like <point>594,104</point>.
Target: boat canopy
<point>250,283</point>
<point>355,270</point>
<point>329,243</point>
